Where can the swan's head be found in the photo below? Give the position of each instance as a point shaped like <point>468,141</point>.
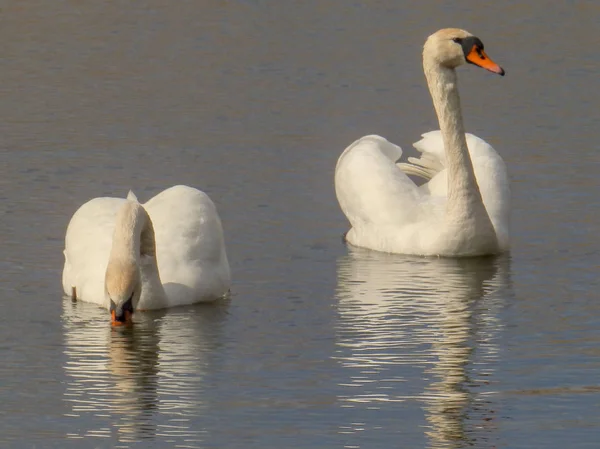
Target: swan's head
<point>452,47</point>
<point>123,290</point>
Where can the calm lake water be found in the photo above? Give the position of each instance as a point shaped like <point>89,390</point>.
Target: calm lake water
<point>320,345</point>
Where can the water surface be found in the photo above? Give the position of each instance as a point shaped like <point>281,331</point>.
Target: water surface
<point>320,345</point>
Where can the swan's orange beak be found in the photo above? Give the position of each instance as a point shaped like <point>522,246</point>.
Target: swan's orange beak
<point>126,320</point>
<point>478,57</point>
<point>121,314</point>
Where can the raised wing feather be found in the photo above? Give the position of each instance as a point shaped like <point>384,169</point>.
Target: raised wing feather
<point>432,159</point>
<point>370,187</point>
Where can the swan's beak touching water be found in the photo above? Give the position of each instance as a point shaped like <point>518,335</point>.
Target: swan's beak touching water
<point>123,288</point>
<point>121,313</point>
<point>478,57</point>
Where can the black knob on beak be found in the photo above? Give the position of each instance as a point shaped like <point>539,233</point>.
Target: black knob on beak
<point>122,313</point>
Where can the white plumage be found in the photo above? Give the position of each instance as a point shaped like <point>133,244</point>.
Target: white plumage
<point>463,207</point>
<point>190,263</point>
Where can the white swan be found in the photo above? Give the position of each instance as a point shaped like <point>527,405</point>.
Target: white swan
<point>126,256</point>
<point>463,209</point>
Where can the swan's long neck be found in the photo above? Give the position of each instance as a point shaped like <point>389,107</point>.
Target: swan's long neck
<point>133,242</point>
<point>126,240</point>
<point>463,191</point>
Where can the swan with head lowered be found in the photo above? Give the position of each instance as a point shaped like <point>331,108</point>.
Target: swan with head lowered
<point>463,207</point>
<point>126,256</point>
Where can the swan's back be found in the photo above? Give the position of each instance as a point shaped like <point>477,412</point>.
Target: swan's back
<point>389,212</point>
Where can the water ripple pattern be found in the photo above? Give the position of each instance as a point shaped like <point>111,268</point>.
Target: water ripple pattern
<point>404,318</point>
<point>139,383</point>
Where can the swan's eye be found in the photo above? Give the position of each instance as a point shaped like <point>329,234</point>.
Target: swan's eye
<point>458,40</point>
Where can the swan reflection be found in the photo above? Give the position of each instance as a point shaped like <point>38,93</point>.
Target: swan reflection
<point>425,330</point>
<point>139,382</point>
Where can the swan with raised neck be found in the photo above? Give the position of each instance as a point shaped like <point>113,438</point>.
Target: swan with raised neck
<point>443,52</point>
<point>462,209</point>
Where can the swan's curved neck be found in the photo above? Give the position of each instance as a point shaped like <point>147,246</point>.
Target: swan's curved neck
<point>463,190</point>
<point>133,241</point>
<point>126,240</point>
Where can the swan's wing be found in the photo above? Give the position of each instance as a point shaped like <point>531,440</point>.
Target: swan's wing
<point>489,168</point>
<point>493,181</point>
<point>190,246</point>
<point>371,189</point>
<point>87,246</point>
<point>432,159</point>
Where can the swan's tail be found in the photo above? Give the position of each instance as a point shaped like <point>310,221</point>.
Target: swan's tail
<point>432,159</point>
<point>132,197</point>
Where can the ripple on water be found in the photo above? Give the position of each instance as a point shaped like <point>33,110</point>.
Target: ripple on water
<point>137,383</point>
<point>403,318</point>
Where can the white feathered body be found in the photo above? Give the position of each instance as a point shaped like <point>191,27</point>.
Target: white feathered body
<point>190,248</point>
<point>388,212</point>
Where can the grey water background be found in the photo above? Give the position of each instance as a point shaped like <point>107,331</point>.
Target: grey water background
<point>320,345</point>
